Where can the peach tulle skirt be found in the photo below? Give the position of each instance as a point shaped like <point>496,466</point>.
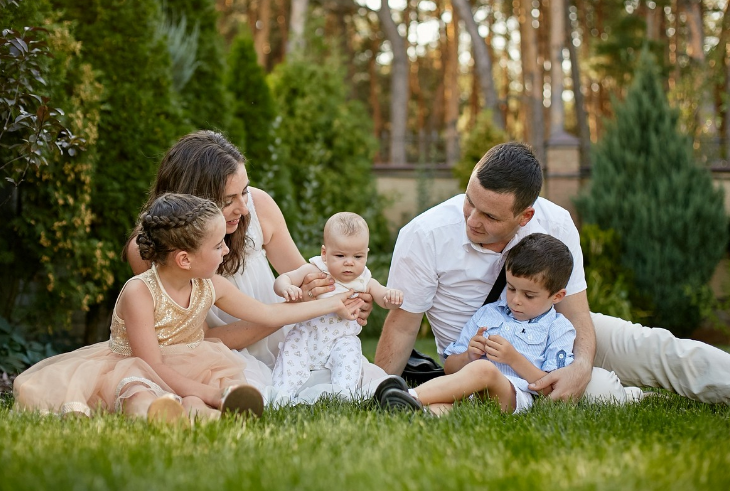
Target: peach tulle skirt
<point>94,378</point>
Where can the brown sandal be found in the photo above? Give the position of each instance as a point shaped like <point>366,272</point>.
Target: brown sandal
<point>167,409</point>
<point>242,399</point>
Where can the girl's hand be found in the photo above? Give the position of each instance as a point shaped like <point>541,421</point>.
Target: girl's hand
<point>292,293</point>
<point>315,284</point>
<point>477,345</point>
<point>393,297</point>
<point>349,308</point>
<point>500,350</point>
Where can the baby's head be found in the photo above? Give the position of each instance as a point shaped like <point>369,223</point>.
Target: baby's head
<point>345,249</point>
<point>538,269</point>
<point>185,228</point>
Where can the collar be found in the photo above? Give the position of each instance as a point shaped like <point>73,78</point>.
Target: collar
<point>504,309</point>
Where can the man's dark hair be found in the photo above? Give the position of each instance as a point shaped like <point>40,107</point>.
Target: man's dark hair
<point>511,168</point>
<point>541,258</point>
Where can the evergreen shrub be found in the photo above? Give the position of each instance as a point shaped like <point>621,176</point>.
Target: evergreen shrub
<point>646,187</point>
<point>51,265</point>
<point>483,136</point>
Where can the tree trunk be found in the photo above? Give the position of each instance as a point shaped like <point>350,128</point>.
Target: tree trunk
<point>452,90</point>
<point>557,41</point>
<point>584,134</point>
<point>482,61</point>
<point>533,83</point>
<point>706,109</point>
<point>297,22</point>
<point>261,36</point>
<point>398,86</point>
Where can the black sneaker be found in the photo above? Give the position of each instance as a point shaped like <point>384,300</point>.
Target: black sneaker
<point>399,400</point>
<point>392,382</point>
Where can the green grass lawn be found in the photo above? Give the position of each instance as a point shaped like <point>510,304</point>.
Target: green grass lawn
<point>663,443</point>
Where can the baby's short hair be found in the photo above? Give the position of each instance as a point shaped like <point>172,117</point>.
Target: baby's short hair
<point>346,224</point>
<point>542,258</point>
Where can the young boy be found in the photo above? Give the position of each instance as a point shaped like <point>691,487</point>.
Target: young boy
<point>506,344</point>
<point>328,341</point>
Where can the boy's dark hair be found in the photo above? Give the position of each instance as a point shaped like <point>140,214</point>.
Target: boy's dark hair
<point>511,168</point>
<point>542,258</point>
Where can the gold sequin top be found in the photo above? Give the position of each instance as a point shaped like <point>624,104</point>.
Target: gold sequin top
<point>174,325</point>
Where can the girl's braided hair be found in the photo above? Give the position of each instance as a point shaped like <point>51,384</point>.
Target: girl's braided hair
<point>174,222</point>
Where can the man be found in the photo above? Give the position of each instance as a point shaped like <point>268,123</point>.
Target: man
<point>447,259</point>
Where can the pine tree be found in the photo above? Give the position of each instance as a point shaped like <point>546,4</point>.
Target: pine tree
<point>254,113</point>
<point>205,98</point>
<point>646,187</point>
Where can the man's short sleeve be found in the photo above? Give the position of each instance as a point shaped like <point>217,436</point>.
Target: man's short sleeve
<point>413,268</point>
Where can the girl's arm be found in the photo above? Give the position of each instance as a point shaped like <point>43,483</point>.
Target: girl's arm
<point>136,308</point>
<point>287,284</point>
<point>231,300</point>
<point>387,298</point>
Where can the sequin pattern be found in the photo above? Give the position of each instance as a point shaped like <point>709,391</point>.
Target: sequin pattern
<point>174,325</point>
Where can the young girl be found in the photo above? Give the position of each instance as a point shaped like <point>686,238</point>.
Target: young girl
<point>156,362</point>
<point>330,341</point>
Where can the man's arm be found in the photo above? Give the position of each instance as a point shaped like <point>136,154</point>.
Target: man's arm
<point>397,340</point>
<point>570,382</point>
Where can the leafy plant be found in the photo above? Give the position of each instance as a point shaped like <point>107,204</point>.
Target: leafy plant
<point>31,127</point>
<point>18,353</point>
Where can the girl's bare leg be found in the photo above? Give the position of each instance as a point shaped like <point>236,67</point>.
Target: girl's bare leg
<point>440,408</point>
<point>478,376</point>
<point>197,408</point>
<point>137,405</point>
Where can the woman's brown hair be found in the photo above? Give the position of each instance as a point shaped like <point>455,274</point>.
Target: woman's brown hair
<point>200,164</point>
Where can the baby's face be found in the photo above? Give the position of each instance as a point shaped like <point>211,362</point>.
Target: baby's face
<point>345,256</point>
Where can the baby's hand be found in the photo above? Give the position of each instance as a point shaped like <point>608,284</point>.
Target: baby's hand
<point>393,297</point>
<point>292,293</point>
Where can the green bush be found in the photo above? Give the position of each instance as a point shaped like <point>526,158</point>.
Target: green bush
<point>254,111</point>
<point>51,265</point>
<point>206,101</point>
<point>647,188</point>
<point>326,144</point>
<point>139,116</point>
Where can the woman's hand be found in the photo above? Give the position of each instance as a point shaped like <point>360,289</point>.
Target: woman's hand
<point>365,309</point>
<point>316,284</point>
<point>349,305</point>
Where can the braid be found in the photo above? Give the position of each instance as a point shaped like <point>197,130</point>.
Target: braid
<point>174,222</point>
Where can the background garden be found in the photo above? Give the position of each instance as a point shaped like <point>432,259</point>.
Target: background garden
<point>93,92</point>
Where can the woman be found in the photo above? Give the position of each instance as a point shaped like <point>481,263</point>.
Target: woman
<point>205,164</point>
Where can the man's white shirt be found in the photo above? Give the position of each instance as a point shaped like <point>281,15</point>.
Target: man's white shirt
<point>447,277</point>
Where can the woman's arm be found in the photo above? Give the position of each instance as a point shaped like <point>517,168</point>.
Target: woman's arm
<point>136,262</point>
<point>136,308</point>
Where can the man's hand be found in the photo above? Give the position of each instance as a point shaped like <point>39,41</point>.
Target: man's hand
<point>565,384</point>
<point>477,345</point>
<point>499,350</point>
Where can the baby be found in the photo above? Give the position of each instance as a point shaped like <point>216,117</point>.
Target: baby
<point>329,341</point>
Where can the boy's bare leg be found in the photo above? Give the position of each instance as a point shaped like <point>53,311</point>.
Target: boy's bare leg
<point>477,376</point>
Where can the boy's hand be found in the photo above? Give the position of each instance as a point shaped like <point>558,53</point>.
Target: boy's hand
<point>500,350</point>
<point>477,345</point>
<point>393,297</point>
<point>292,293</point>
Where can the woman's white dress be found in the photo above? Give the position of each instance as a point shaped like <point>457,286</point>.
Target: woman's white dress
<point>257,281</point>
